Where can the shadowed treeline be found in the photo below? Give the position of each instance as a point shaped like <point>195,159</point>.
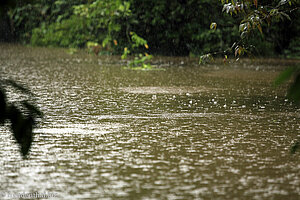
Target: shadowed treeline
<point>179,27</point>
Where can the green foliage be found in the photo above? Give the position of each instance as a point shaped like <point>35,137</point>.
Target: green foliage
<point>28,15</point>
<point>24,19</point>
<point>271,20</point>
<point>126,52</point>
<point>104,17</point>
<point>22,115</point>
<point>170,27</point>
<point>285,75</point>
<point>98,21</point>
<point>72,32</point>
<point>180,27</point>
<point>290,73</point>
<point>254,17</point>
<point>139,60</point>
<point>293,50</point>
<point>294,90</point>
<point>137,41</point>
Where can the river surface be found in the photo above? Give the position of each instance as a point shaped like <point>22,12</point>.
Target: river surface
<point>181,132</point>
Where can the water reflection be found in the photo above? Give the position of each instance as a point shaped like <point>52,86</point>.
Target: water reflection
<point>211,132</point>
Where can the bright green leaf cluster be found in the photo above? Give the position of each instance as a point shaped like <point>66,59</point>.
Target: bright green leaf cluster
<point>140,59</point>
<point>137,41</point>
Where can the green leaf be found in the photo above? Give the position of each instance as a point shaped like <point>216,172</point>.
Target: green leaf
<point>294,91</point>
<point>242,27</point>
<point>284,76</point>
<point>213,26</point>
<point>259,28</point>
<point>282,2</point>
<point>286,15</point>
<point>255,3</point>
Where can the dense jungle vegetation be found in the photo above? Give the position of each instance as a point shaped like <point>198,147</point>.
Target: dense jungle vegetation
<point>179,27</point>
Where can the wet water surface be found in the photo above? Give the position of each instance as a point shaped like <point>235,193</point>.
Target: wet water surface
<point>184,132</point>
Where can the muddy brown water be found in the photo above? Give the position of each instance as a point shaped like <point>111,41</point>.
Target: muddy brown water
<point>184,132</point>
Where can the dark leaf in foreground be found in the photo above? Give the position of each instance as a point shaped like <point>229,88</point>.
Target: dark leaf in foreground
<point>22,115</point>
<point>21,127</point>
<point>33,110</point>
<point>290,73</point>
<point>2,107</point>
<point>284,76</point>
<point>17,86</point>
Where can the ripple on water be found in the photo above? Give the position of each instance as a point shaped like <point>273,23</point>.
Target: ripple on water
<point>206,132</point>
<point>167,90</point>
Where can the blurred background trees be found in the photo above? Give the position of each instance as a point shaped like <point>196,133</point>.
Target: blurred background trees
<point>178,27</point>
